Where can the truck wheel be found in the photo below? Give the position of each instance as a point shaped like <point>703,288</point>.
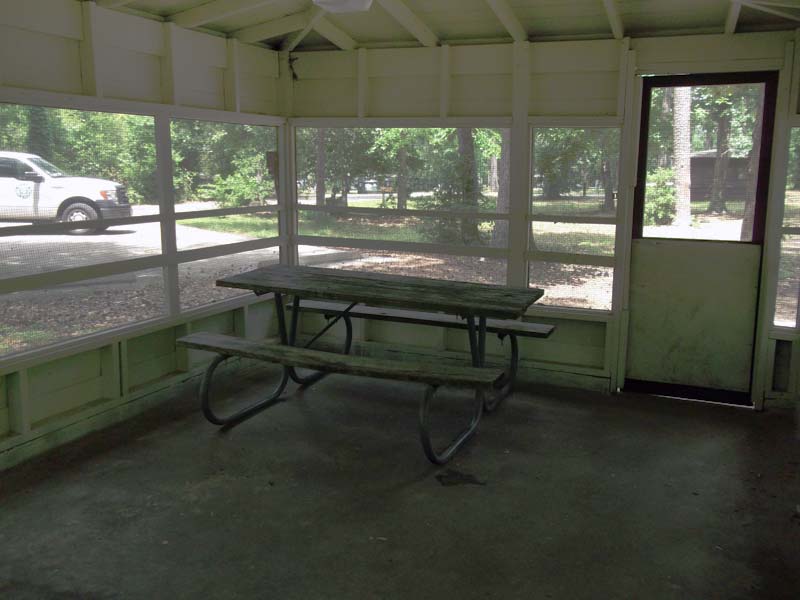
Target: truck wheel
<point>80,212</point>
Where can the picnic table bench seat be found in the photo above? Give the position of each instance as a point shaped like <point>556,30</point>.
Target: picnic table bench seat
<point>399,315</point>
<point>433,375</point>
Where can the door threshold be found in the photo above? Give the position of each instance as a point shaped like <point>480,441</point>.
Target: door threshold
<point>689,392</point>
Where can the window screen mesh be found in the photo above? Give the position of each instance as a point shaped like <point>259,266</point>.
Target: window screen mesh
<point>71,165</point>
<point>36,318</point>
<point>225,229</point>
<point>573,286</point>
<point>221,165</point>
<point>408,168</point>
<point>458,231</point>
<point>575,171</point>
<point>788,282</point>
<point>573,238</point>
<point>197,279</point>
<point>435,266</point>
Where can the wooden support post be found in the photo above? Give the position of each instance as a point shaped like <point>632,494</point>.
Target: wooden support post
<point>90,77</point>
<point>232,76</point>
<point>520,167</point>
<point>444,81</point>
<point>167,206</point>
<point>363,84</point>
<point>169,69</point>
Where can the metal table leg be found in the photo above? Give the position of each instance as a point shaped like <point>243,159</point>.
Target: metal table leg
<point>308,380</point>
<point>205,385</point>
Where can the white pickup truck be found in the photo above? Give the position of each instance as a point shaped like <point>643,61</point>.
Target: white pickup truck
<point>32,189</point>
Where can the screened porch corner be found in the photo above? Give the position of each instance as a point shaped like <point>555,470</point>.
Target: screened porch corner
<point>636,162</point>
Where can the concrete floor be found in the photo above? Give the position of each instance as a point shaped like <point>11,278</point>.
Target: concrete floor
<point>561,495</point>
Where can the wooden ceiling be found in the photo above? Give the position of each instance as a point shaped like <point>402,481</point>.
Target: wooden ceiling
<point>298,24</point>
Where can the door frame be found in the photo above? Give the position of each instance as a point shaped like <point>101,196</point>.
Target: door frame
<point>771,80</point>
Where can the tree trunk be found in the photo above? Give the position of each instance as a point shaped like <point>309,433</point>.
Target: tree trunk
<point>319,172</point>
<point>469,183</point>
<point>500,232</point>
<point>40,133</point>
<point>748,220</point>
<point>681,134</point>
<point>716,204</point>
<point>402,178</point>
<point>346,190</point>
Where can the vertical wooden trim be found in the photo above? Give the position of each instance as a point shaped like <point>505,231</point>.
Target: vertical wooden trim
<point>167,208</point>
<point>18,390</point>
<point>622,79</point>
<point>520,166</point>
<point>287,218</point>
<point>363,84</point>
<point>232,76</point>
<point>286,84</point>
<point>770,257</point>
<point>627,183</point>
<point>444,81</point>
<point>794,98</point>
<point>169,70</point>
<point>89,54</point>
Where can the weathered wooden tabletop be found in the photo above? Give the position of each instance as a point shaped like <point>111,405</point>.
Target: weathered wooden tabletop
<point>374,289</point>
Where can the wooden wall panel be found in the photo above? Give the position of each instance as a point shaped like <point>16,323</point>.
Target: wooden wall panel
<point>61,19</point>
<point>480,95</point>
<point>40,61</point>
<point>325,97</point>
<point>574,93</point>
<point>5,421</point>
<point>129,75</point>
<point>64,385</point>
<point>403,96</point>
<point>119,30</point>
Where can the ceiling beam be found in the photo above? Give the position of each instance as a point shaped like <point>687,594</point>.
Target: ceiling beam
<point>733,17</point>
<point>406,17</point>
<point>509,20</point>
<point>271,29</point>
<point>214,11</point>
<point>312,15</point>
<point>333,34</point>
<point>113,3</point>
<point>617,28</point>
<point>772,11</point>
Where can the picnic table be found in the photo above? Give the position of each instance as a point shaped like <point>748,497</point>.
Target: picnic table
<point>473,306</point>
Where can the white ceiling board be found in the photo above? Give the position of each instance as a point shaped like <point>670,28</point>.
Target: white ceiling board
<point>649,17</point>
<point>547,18</point>
<point>270,12</point>
<point>164,7</point>
<point>459,19</point>
<point>375,25</point>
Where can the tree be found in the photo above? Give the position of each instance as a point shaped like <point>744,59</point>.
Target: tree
<point>319,167</point>
<point>752,170</point>
<point>681,133</point>
<point>500,232</point>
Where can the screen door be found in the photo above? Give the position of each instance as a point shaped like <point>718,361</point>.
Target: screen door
<point>699,213</point>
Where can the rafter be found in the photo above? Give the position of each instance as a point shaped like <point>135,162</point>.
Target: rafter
<point>333,34</point>
<point>408,19</point>
<point>509,20</point>
<point>214,11</point>
<point>617,28</point>
<point>770,10</point>
<point>271,29</point>
<point>733,17</point>
<point>312,15</point>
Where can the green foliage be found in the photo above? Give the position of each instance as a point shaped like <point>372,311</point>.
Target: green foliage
<point>659,206</point>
